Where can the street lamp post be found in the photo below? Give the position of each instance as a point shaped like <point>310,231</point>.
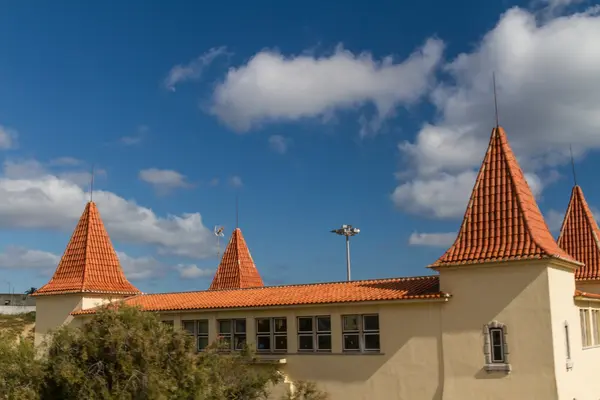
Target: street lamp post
<point>347,231</point>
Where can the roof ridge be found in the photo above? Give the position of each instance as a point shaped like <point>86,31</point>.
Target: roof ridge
<point>86,241</point>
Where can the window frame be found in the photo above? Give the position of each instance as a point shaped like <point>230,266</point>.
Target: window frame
<point>493,364</point>
<point>272,334</point>
<point>196,334</point>
<point>361,332</point>
<point>315,333</point>
<point>233,333</point>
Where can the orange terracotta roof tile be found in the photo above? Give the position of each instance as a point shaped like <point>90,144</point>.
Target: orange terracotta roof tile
<point>502,221</point>
<point>424,287</point>
<point>89,264</point>
<point>579,236</point>
<point>237,269</point>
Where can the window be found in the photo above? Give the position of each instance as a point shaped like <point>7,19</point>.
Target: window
<point>314,333</point>
<point>168,323</point>
<point>360,332</point>
<point>271,334</point>
<point>232,332</point>
<point>199,330</point>
<point>596,327</point>
<point>586,334</point>
<point>495,348</point>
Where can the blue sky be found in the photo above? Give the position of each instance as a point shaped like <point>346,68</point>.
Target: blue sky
<point>315,114</point>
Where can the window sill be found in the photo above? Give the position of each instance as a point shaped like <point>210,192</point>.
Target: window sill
<point>319,353</point>
<point>498,368</point>
<point>596,346</point>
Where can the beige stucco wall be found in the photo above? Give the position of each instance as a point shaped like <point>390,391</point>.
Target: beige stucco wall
<point>588,286</point>
<point>54,311</point>
<point>407,368</point>
<point>515,294</point>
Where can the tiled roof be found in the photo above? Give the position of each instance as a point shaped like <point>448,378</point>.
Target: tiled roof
<point>579,236</point>
<point>89,264</point>
<point>424,287</point>
<point>237,269</point>
<point>502,221</point>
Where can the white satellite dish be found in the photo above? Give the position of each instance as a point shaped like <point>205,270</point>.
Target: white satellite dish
<point>219,233</point>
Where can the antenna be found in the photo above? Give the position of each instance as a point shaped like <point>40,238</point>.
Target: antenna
<point>218,231</point>
<point>573,165</point>
<point>495,99</point>
<point>237,211</point>
<point>92,185</point>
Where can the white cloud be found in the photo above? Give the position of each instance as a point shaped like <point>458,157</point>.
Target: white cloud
<point>164,180</point>
<point>33,169</point>
<point>136,138</point>
<point>8,138</point>
<point>192,271</point>
<point>138,268</point>
<point>273,87</point>
<point>444,240</point>
<point>236,182</point>
<point>49,202</point>
<point>194,69</point>
<point>548,95</point>
<point>279,144</point>
<point>15,257</point>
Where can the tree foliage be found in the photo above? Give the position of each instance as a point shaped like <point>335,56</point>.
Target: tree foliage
<point>127,354</point>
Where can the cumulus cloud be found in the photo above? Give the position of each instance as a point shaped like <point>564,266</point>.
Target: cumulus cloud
<point>194,69</point>
<point>273,87</point>
<point>192,271</point>
<point>66,161</point>
<point>15,257</point>
<point>548,95</point>
<point>444,240</point>
<point>279,144</point>
<point>164,180</point>
<point>139,268</point>
<point>49,202</point>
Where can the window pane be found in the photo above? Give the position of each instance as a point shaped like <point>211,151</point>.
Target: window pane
<point>189,326</point>
<point>305,324</point>
<point>371,322</point>
<point>280,325</point>
<point>281,342</point>
<point>225,327</point>
<point>372,341</point>
<point>324,342</point>
<point>263,325</point>
<point>202,342</point>
<point>239,341</point>
<point>323,324</point>
<point>305,342</point>
<point>588,331</point>
<point>497,344</point>
<point>350,323</point>
<point>351,342</point>
<point>203,327</point>
<point>240,326</point>
<point>263,343</point>
<point>595,329</point>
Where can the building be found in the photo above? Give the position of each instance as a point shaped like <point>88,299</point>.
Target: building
<point>509,312</point>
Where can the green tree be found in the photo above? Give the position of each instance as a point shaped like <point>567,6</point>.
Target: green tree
<point>30,291</point>
<point>130,355</point>
<point>21,372</point>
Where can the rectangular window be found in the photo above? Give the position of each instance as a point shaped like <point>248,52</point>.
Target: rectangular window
<point>314,333</point>
<point>232,332</point>
<point>271,334</point>
<point>497,345</point>
<point>199,330</point>
<point>360,333</point>
<point>586,332</point>
<point>595,327</point>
